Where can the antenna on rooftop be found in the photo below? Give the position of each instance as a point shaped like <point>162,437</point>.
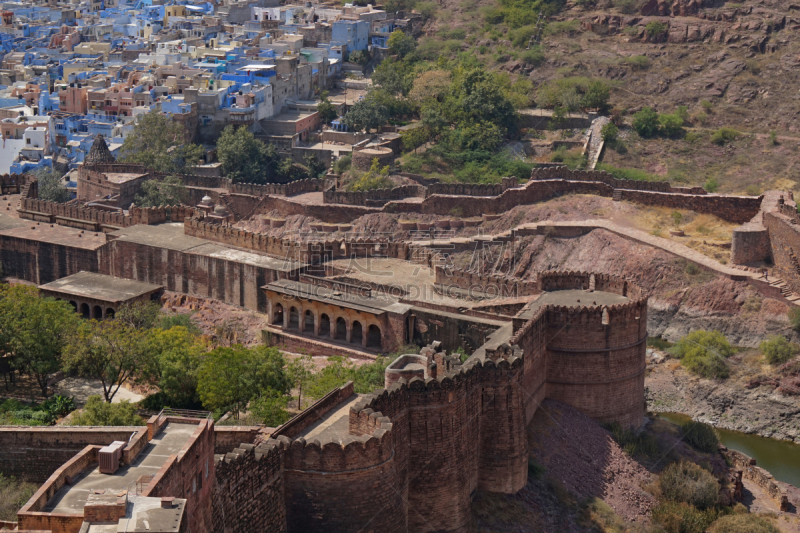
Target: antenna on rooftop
<point>536,38</point>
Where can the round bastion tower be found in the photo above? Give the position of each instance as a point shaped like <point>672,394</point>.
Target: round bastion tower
<point>596,343</point>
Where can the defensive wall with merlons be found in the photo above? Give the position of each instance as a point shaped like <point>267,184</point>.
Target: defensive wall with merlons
<point>414,455</point>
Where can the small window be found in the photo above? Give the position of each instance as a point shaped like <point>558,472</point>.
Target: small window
<point>28,141</point>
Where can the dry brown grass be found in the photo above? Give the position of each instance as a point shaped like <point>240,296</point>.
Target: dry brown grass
<point>707,234</point>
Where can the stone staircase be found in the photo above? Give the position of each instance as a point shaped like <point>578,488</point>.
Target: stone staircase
<point>223,197</point>
<point>786,291</point>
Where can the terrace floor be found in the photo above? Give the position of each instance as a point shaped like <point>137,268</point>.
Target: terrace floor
<point>70,499</point>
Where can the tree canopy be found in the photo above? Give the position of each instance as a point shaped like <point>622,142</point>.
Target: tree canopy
<point>244,158</point>
<point>36,330</point>
<point>229,377</point>
<point>168,191</point>
<point>159,143</point>
<point>111,351</point>
<point>51,186</point>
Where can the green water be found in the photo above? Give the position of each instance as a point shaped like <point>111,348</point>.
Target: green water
<point>780,458</point>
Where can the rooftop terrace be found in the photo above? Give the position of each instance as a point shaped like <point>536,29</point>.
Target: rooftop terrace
<point>71,498</point>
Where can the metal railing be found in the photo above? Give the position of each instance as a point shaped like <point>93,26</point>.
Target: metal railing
<point>186,413</point>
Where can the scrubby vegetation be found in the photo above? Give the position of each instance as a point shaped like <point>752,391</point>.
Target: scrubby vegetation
<point>777,350</point>
<point>700,436</point>
<point>704,353</point>
<point>14,494</point>
<point>97,412</point>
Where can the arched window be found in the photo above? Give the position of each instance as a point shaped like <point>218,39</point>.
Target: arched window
<point>308,323</point>
<point>341,329</point>
<point>374,337</point>
<point>324,325</point>
<point>97,312</point>
<point>74,305</point>
<point>85,312</point>
<point>109,313</point>
<point>294,318</point>
<point>357,336</point>
<point>277,314</point>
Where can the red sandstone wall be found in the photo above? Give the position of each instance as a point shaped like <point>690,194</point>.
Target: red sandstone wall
<point>233,282</point>
<point>249,493</point>
<point>42,262</point>
<point>312,414</point>
<point>784,237</point>
<point>35,453</point>
<point>190,474</point>
<point>599,368</point>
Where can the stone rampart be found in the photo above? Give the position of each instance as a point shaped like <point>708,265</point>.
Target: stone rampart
<point>34,453</point>
<point>13,183</point>
<point>96,219</point>
<point>249,494</point>
<point>31,517</point>
<point>304,251</point>
<point>281,189</point>
<point>738,209</point>
<point>758,475</point>
<point>563,173</point>
<point>492,286</point>
<point>315,412</point>
<point>372,198</point>
<point>190,474</point>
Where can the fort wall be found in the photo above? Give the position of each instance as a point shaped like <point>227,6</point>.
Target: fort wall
<point>315,412</point>
<point>761,477</point>
<point>190,474</point>
<point>249,493</point>
<point>232,281</point>
<point>34,453</point>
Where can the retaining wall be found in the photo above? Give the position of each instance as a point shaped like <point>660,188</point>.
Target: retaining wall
<point>761,477</point>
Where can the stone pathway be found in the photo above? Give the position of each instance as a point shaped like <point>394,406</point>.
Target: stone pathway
<point>596,141</point>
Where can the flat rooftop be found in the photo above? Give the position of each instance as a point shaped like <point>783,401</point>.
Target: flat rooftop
<point>123,177</point>
<point>172,237</point>
<point>367,304</point>
<point>70,499</point>
<point>61,235</point>
<point>290,116</point>
<point>100,287</point>
<point>574,298</point>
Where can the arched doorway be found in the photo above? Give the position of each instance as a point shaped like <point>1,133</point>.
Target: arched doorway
<point>357,336</point>
<point>277,314</point>
<point>74,305</point>
<point>340,333</point>
<point>308,322</point>
<point>294,318</point>
<point>324,325</point>
<point>97,312</point>
<point>85,312</point>
<point>109,313</point>
<point>374,337</point>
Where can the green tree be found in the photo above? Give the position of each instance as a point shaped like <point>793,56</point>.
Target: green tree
<point>112,352</point>
<point>596,96</point>
<point>359,57</point>
<point>671,125</point>
<point>778,350</point>
<point>270,408</point>
<point>401,44</point>
<point>366,115</point>
<point>316,168</point>
<point>51,186</point>
<point>413,138</point>
<point>178,355</point>
<point>35,330</point>
<point>645,122</point>
<point>375,178</point>
<point>609,132</point>
<point>704,353</point>
<point>244,158</point>
<point>327,111</point>
<point>96,412</point>
<point>159,143</point>
<point>299,372</point>
<point>229,377</point>
<point>157,193</point>
<point>139,315</point>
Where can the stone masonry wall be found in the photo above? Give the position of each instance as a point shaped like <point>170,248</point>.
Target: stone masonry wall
<point>249,494</point>
<point>190,474</point>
